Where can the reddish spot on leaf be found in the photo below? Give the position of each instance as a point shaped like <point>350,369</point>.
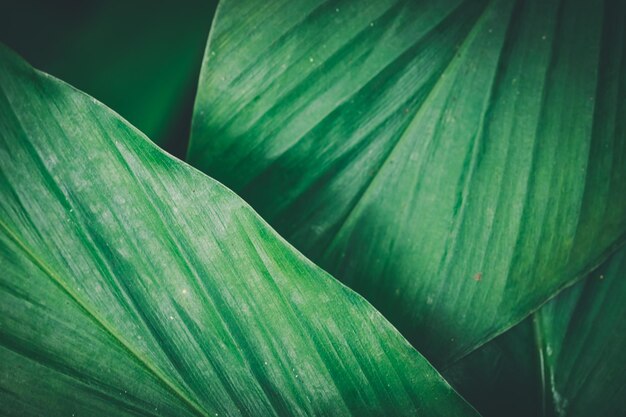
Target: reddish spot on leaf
<point>478,276</point>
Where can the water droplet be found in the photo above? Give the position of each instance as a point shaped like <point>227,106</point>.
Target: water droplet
<point>311,59</point>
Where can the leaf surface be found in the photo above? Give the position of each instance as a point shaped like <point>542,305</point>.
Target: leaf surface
<point>132,284</point>
<point>457,163</point>
<point>567,359</point>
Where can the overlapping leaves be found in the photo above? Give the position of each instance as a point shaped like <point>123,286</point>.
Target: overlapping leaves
<point>456,162</point>
<point>132,284</point>
<point>567,359</point>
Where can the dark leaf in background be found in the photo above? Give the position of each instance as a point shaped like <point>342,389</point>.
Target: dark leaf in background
<point>566,360</point>
<point>502,377</point>
<point>139,57</point>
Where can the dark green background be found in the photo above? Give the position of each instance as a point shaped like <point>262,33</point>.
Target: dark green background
<point>139,57</point>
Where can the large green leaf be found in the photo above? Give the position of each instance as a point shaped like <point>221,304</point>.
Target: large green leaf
<point>140,57</point>
<point>132,284</point>
<point>455,162</point>
<point>568,359</point>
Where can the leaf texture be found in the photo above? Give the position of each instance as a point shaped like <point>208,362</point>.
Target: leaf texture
<point>567,359</point>
<point>132,284</point>
<point>583,345</point>
<point>455,162</point>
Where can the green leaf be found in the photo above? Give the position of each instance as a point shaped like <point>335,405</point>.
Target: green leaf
<point>457,163</point>
<point>132,284</point>
<point>568,359</point>
<point>140,57</point>
<point>583,335</point>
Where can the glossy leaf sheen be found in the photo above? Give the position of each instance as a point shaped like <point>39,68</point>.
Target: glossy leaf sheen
<point>568,359</point>
<point>457,163</point>
<point>132,284</point>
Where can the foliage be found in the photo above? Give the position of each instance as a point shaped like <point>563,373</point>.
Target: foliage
<point>457,163</point>
<point>460,164</point>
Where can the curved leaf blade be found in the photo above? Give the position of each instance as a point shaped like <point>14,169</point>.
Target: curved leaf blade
<point>584,345</point>
<point>568,359</point>
<point>132,284</point>
<point>457,163</point>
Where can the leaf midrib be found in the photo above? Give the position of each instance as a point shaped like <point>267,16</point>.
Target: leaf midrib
<point>92,314</point>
